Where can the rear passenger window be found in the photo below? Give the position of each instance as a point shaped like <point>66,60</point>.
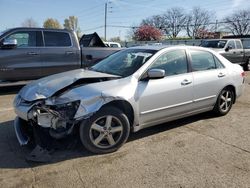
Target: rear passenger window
<point>202,60</point>
<point>219,65</point>
<point>174,62</point>
<point>59,39</point>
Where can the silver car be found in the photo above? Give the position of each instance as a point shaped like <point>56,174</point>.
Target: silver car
<point>128,91</point>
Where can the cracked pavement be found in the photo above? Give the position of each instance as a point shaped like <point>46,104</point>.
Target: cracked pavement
<point>199,151</point>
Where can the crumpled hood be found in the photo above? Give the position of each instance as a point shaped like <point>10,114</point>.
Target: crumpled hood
<point>47,86</point>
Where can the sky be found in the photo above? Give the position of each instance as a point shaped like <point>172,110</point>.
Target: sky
<point>90,13</point>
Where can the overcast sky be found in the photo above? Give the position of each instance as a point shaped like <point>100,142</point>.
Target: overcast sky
<point>91,12</point>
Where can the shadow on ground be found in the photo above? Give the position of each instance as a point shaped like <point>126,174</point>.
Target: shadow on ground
<point>12,155</point>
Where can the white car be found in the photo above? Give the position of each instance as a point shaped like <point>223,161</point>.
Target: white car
<point>113,44</point>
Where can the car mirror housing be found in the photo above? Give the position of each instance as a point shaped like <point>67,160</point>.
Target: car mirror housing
<point>156,73</point>
<point>9,43</point>
<point>228,48</point>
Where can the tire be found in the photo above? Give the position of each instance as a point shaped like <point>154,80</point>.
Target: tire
<point>245,66</point>
<point>106,131</point>
<point>224,102</point>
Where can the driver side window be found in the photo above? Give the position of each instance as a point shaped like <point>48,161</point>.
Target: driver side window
<point>26,38</point>
<point>174,63</point>
<point>231,44</point>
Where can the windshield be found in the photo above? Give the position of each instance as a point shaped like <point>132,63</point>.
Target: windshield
<point>125,62</point>
<point>213,43</point>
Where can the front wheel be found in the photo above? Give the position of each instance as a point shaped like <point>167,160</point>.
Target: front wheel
<point>106,131</point>
<point>224,102</point>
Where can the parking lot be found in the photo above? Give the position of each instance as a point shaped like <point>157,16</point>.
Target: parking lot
<point>199,151</point>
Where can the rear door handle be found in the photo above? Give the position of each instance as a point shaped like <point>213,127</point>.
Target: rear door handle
<point>32,53</point>
<point>221,75</point>
<point>186,82</point>
<point>69,53</point>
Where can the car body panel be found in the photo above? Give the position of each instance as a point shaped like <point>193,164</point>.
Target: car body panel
<point>169,94</point>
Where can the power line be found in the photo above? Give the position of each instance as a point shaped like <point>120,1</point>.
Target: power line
<point>211,23</point>
<point>94,28</point>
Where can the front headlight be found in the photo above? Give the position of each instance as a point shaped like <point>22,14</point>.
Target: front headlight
<point>67,110</point>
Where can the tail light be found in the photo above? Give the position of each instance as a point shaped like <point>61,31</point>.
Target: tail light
<point>243,74</point>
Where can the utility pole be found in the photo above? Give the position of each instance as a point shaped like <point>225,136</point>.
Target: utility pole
<point>105,21</point>
<point>216,25</point>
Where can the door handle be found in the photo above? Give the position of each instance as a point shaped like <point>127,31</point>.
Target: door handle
<point>32,53</point>
<point>221,75</point>
<point>186,82</point>
<point>69,53</point>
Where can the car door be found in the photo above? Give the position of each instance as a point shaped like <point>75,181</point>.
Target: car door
<point>239,52</point>
<point>209,78</point>
<point>59,53</point>
<point>162,99</point>
<point>24,61</point>
<point>231,52</point>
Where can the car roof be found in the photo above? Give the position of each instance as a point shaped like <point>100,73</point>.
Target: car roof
<point>161,47</point>
<point>152,47</point>
<point>38,29</point>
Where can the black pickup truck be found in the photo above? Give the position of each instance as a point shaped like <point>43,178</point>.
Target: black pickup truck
<point>31,53</point>
<point>231,49</point>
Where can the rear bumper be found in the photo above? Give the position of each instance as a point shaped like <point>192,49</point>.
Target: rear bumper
<point>19,125</point>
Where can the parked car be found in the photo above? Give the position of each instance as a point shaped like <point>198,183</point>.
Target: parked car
<point>231,49</point>
<point>31,53</point>
<point>128,91</point>
<point>113,44</point>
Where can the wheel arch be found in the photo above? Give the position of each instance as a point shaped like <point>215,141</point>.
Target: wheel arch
<point>125,107</point>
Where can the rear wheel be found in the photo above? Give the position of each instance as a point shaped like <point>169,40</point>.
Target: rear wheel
<point>105,131</point>
<point>224,102</point>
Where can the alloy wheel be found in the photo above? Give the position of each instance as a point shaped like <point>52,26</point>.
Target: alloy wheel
<point>106,131</point>
<point>226,99</point>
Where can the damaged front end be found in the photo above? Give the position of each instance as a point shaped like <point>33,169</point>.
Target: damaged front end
<point>56,121</point>
<point>59,119</point>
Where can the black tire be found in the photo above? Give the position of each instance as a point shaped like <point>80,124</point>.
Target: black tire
<point>106,131</point>
<point>245,66</point>
<point>224,102</point>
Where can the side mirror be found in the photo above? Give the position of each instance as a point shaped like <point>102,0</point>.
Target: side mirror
<point>156,73</point>
<point>229,47</point>
<point>9,43</point>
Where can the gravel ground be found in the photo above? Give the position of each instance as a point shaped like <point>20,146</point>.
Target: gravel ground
<point>199,151</point>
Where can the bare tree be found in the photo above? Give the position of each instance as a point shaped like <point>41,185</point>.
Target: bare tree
<point>198,19</point>
<point>29,23</point>
<point>238,23</point>
<point>175,18</point>
<point>72,23</point>
<point>157,21</point>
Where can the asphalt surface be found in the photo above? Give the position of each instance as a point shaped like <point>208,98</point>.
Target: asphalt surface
<point>199,151</point>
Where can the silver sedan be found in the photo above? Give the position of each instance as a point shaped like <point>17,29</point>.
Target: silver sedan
<point>128,91</point>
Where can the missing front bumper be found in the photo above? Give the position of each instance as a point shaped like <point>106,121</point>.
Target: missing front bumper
<point>19,126</point>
